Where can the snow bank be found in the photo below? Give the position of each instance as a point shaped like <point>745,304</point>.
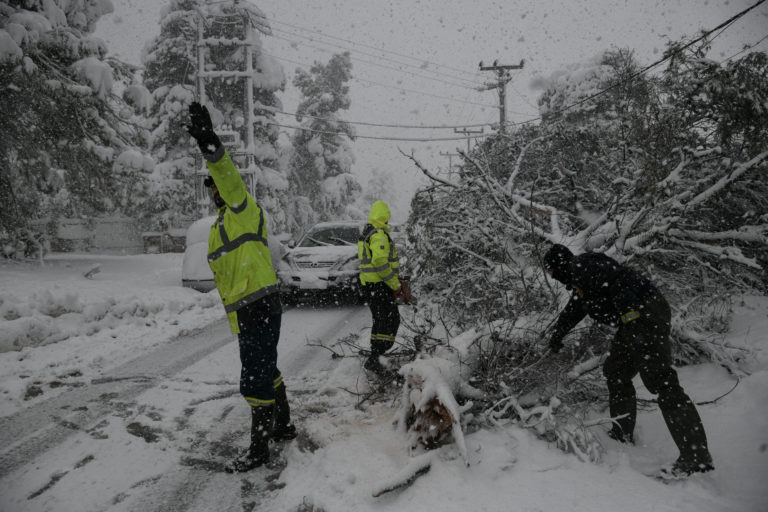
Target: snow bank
<point>54,321</point>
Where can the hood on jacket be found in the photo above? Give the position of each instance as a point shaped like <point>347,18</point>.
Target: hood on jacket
<point>558,262</point>
<point>379,216</point>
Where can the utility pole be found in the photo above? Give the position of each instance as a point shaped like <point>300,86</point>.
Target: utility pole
<point>503,77</point>
<point>231,137</point>
<point>450,160</point>
<point>465,131</point>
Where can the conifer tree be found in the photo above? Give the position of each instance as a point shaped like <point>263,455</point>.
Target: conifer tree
<point>321,167</point>
<point>68,145</point>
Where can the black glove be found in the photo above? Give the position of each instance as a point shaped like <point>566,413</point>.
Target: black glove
<point>201,129</point>
<point>555,344</point>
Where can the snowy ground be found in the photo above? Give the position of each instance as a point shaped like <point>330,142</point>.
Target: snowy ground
<point>117,390</point>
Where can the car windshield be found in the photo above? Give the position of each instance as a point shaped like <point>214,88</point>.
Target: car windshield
<point>339,235</point>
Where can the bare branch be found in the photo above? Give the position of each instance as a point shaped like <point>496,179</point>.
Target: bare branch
<point>425,170</point>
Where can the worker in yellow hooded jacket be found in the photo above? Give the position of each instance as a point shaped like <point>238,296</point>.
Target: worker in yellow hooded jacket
<point>379,276</point>
<point>242,268</point>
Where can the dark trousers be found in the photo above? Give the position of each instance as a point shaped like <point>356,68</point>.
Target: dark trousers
<point>386,317</point>
<point>259,375</point>
<point>642,346</point>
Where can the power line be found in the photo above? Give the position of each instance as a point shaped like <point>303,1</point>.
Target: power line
<point>746,48</point>
<point>383,125</point>
<point>406,139</point>
<point>398,88</point>
<point>379,65</point>
<point>647,68</point>
<point>631,77</point>
<point>354,51</point>
<point>273,20</point>
<point>384,66</point>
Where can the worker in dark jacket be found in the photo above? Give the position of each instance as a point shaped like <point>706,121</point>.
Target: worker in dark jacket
<point>617,295</point>
<point>242,268</point>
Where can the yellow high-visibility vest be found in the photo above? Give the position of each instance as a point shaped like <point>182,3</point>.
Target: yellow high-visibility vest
<point>237,244</point>
<point>377,253</point>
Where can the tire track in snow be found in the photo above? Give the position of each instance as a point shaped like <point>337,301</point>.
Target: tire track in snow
<point>32,431</point>
<point>192,489</point>
<point>300,356</point>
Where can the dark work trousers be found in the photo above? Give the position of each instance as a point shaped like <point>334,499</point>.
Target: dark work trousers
<point>386,317</point>
<point>259,375</point>
<point>643,346</point>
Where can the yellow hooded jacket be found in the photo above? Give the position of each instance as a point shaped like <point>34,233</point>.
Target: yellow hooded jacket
<point>377,253</point>
<point>237,244</point>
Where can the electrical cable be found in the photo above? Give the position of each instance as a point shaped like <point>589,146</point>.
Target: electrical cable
<point>405,139</point>
<point>746,48</point>
<point>724,25</point>
<point>647,68</point>
<point>383,66</point>
<point>398,88</point>
<point>473,83</point>
<point>273,20</point>
<point>383,125</point>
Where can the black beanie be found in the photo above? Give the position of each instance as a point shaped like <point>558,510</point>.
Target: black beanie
<point>558,261</point>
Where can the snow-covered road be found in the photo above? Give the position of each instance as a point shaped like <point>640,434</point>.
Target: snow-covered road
<point>124,441</point>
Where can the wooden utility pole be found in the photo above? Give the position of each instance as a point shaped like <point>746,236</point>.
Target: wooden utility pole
<point>503,77</point>
<point>465,131</point>
<point>231,138</point>
<point>450,160</point>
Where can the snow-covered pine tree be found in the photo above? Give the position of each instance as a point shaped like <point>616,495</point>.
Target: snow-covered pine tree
<point>171,62</point>
<point>321,167</point>
<point>68,146</point>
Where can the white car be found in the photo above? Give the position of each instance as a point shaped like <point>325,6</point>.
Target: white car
<point>195,272</point>
<point>325,258</point>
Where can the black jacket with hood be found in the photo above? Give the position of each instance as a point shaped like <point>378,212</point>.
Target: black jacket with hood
<point>602,289</point>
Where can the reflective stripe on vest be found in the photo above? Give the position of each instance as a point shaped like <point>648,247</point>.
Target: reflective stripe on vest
<point>228,245</point>
<point>371,274</point>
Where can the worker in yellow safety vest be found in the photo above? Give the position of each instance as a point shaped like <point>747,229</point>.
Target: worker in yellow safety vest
<point>242,268</point>
<point>379,276</point>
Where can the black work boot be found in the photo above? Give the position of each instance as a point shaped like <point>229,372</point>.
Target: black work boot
<point>684,423</point>
<point>682,467</point>
<point>622,403</point>
<point>258,452</point>
<point>372,364</point>
<point>284,429</point>
<point>618,435</point>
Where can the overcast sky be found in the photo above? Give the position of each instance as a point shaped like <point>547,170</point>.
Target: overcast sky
<point>427,72</point>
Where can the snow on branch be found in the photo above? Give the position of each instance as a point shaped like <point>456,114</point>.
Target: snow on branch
<point>553,422</point>
<point>745,234</point>
<point>510,185</point>
<point>726,253</point>
<point>416,467</point>
<point>727,180</point>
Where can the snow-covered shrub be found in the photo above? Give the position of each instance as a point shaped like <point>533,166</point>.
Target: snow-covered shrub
<point>23,243</point>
